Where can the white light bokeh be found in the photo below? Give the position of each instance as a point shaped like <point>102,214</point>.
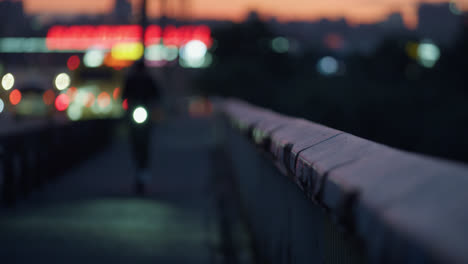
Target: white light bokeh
<point>94,58</point>
<point>193,50</point>
<point>62,81</point>
<point>171,53</point>
<point>8,81</point>
<point>140,115</point>
<point>327,66</point>
<point>428,54</point>
<point>74,112</point>
<point>155,52</point>
<point>2,106</point>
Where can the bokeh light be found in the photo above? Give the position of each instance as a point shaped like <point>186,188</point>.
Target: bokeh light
<point>171,53</point>
<point>155,52</point>
<point>8,81</point>
<point>62,81</point>
<point>103,100</point>
<point>127,51</point>
<point>61,102</point>
<point>125,104</point>
<point>193,50</point>
<point>428,54</point>
<point>116,93</point>
<point>48,97</point>
<point>95,109</point>
<point>327,66</point>
<point>74,112</point>
<point>89,101</point>
<point>208,60</point>
<point>333,41</point>
<point>199,107</point>
<point>2,105</point>
<point>110,61</point>
<point>159,52</point>
<point>280,45</point>
<point>94,58</point>
<point>73,63</point>
<point>72,92</point>
<point>140,115</point>
<point>411,49</point>
<point>192,63</point>
<point>454,8</point>
<point>15,97</point>
<point>203,62</point>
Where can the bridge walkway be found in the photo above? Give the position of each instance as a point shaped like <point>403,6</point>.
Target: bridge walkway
<point>91,215</point>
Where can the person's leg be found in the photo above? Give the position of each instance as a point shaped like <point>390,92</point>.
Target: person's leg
<point>141,144</point>
<point>133,136</point>
<point>135,142</point>
<point>144,146</point>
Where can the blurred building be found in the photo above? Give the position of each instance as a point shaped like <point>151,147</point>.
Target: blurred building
<point>122,11</point>
<point>339,36</point>
<point>394,23</point>
<point>13,22</point>
<point>439,23</point>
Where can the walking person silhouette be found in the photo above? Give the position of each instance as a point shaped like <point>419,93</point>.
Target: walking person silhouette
<point>140,91</point>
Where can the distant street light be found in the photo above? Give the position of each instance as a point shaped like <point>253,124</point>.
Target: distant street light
<point>8,81</point>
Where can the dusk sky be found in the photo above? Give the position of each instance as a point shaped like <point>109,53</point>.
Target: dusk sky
<point>356,11</point>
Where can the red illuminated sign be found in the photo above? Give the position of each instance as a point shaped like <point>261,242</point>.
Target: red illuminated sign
<point>106,36</point>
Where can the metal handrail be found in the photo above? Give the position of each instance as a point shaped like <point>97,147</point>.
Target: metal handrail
<point>38,151</point>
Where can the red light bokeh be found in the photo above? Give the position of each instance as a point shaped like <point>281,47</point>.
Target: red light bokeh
<point>73,63</point>
<point>333,41</point>
<point>15,97</point>
<point>61,102</point>
<point>125,104</point>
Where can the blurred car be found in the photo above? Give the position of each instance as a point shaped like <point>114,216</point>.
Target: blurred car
<point>31,103</point>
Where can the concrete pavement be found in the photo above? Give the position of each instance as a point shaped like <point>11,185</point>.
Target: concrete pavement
<point>90,215</point>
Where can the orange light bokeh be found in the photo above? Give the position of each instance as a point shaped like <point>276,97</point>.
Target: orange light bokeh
<point>104,100</point>
<point>48,97</point>
<point>90,100</point>
<point>71,93</point>
<point>116,93</point>
<point>117,64</point>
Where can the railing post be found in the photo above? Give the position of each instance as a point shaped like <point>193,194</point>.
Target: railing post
<point>26,165</point>
<point>9,188</point>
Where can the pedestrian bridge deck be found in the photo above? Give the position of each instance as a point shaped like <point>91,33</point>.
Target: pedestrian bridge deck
<point>344,199</point>
<point>91,215</point>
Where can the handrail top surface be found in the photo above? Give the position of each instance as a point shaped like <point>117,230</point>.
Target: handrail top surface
<point>368,187</point>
